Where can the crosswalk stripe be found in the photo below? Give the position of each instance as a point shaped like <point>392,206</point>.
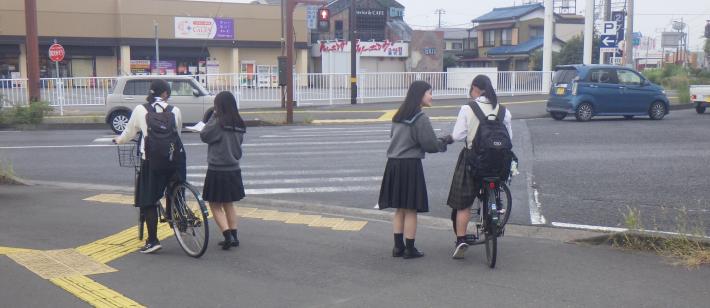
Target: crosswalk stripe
<point>301,153</point>
<point>353,133</point>
<point>294,172</point>
<point>314,180</point>
<point>296,190</point>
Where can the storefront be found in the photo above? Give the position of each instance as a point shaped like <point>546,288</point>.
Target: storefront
<point>9,61</point>
<point>385,56</point>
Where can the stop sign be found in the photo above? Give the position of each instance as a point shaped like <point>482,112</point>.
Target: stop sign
<point>56,52</point>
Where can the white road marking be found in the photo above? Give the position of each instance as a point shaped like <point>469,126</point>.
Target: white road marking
<point>534,204</point>
<point>334,134</point>
<point>315,180</point>
<point>381,151</point>
<point>103,139</point>
<point>243,166</point>
<point>301,190</point>
<point>29,147</point>
<point>376,128</point>
<point>616,229</point>
<point>293,172</point>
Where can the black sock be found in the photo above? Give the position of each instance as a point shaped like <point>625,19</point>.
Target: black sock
<point>151,222</point>
<point>453,218</point>
<point>460,239</point>
<point>399,240</point>
<point>410,243</point>
<point>234,233</point>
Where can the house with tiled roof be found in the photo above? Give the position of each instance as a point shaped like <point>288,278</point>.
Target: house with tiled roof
<point>508,36</point>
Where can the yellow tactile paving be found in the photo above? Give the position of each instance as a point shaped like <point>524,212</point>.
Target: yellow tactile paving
<point>388,115</point>
<point>241,211</point>
<point>303,219</point>
<point>93,292</point>
<point>279,216</point>
<point>59,263</point>
<point>324,222</point>
<point>112,198</point>
<point>9,250</point>
<point>120,244</point>
<point>350,225</point>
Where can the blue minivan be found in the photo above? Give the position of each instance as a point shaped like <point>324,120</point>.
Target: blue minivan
<point>604,90</point>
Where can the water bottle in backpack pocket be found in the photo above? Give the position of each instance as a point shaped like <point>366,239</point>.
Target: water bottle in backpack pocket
<point>492,149</point>
<point>163,147</point>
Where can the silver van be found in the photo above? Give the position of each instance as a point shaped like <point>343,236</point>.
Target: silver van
<point>130,91</point>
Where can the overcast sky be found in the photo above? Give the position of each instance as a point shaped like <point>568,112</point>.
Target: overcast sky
<point>651,16</point>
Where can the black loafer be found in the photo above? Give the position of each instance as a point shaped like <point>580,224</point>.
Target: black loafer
<point>397,252</point>
<point>412,253</point>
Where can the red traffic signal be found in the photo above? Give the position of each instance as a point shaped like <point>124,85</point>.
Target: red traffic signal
<point>323,20</point>
<point>324,14</point>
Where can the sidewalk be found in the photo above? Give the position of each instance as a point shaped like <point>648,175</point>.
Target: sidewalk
<point>295,264</point>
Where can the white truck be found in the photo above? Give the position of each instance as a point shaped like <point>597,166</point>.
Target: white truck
<point>700,96</point>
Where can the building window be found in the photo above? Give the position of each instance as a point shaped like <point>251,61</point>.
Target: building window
<point>506,37</point>
<point>457,46</point>
<point>339,30</point>
<point>489,39</point>
<point>536,32</point>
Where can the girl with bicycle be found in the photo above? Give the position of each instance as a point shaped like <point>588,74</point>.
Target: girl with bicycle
<point>152,182</point>
<point>403,185</point>
<point>224,134</point>
<point>464,187</point>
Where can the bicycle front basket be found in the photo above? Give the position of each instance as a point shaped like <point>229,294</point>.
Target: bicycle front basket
<point>128,155</point>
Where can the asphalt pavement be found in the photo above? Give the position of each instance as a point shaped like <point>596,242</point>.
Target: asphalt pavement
<point>280,264</point>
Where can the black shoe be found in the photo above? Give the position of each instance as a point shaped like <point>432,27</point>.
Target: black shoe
<point>411,253</point>
<point>471,239</point>
<point>151,247</point>
<point>397,252</point>
<point>460,250</point>
<point>227,243</point>
<point>235,243</point>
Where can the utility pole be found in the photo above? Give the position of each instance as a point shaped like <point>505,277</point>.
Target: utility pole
<point>440,12</point>
<point>353,53</point>
<point>629,36</point>
<point>32,48</point>
<point>547,43</point>
<point>157,48</point>
<point>588,32</point>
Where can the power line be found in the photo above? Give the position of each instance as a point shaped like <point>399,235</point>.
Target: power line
<point>440,12</point>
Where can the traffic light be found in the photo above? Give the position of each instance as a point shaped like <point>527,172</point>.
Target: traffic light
<point>323,20</point>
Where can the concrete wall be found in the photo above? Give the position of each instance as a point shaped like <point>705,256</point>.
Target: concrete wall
<point>420,62</point>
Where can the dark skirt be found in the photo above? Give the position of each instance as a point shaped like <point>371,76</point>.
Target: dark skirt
<point>223,186</point>
<point>464,187</point>
<point>403,185</point>
<point>152,184</point>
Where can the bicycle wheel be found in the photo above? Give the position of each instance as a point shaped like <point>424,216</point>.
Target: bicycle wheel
<point>505,204</point>
<point>189,216</point>
<point>490,230</point>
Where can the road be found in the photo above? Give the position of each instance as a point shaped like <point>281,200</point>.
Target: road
<point>583,174</point>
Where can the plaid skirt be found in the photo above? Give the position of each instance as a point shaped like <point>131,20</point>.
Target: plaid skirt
<point>464,187</point>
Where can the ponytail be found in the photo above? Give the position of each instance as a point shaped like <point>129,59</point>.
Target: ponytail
<point>157,88</point>
<point>483,83</point>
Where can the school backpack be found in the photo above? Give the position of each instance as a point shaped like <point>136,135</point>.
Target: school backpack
<point>163,147</point>
<point>492,150</point>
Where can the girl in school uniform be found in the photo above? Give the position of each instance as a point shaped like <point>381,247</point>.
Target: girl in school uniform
<point>403,186</point>
<point>224,134</point>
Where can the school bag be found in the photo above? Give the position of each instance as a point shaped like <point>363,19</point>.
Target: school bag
<point>492,149</point>
<point>163,147</point>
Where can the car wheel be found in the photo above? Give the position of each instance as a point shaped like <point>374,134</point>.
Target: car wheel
<point>700,109</point>
<point>628,117</point>
<point>657,111</point>
<point>558,115</point>
<point>118,121</point>
<point>584,112</point>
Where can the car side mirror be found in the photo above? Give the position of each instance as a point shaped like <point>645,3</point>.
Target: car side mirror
<point>645,83</point>
<point>196,93</point>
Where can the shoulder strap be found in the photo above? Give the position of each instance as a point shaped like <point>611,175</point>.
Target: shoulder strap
<point>414,118</point>
<point>501,113</point>
<point>477,111</point>
<point>149,107</point>
<point>169,108</point>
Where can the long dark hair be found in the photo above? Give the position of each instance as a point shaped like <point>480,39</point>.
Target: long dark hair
<point>413,102</point>
<point>484,83</point>
<point>226,111</point>
<point>157,88</point>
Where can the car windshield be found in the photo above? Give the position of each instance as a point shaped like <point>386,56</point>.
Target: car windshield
<point>564,76</point>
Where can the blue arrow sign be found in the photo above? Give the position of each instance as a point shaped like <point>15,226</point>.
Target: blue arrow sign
<point>608,41</point>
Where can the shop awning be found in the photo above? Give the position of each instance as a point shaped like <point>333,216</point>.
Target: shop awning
<point>170,52</point>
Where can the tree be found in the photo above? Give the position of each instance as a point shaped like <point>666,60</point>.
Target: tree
<point>571,53</point>
<point>449,61</point>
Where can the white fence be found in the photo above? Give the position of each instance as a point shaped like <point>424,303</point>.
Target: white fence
<point>261,90</point>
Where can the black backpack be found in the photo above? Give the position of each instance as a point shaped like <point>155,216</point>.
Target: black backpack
<point>163,147</point>
<point>492,150</point>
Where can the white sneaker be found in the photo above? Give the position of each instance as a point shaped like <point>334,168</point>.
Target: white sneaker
<point>459,251</point>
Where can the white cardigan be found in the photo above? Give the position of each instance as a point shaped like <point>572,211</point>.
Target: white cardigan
<point>137,123</point>
<point>467,123</point>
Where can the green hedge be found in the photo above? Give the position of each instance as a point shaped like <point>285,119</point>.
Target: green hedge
<point>18,115</point>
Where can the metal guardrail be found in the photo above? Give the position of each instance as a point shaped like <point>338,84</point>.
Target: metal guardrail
<point>310,88</point>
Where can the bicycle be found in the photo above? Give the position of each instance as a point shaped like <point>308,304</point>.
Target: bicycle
<point>492,218</point>
<point>186,212</point>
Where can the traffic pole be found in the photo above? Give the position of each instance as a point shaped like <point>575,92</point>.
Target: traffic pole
<point>353,54</point>
<point>290,6</point>
<point>32,48</point>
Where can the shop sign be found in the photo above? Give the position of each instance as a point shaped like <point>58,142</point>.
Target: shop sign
<point>370,12</point>
<point>385,49</point>
<point>204,28</point>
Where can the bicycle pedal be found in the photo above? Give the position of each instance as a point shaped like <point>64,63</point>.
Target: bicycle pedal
<point>163,220</point>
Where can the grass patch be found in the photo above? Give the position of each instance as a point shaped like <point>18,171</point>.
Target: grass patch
<point>687,246</point>
<point>32,114</point>
<point>7,173</point>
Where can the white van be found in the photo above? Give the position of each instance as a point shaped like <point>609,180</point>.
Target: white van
<point>130,91</point>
